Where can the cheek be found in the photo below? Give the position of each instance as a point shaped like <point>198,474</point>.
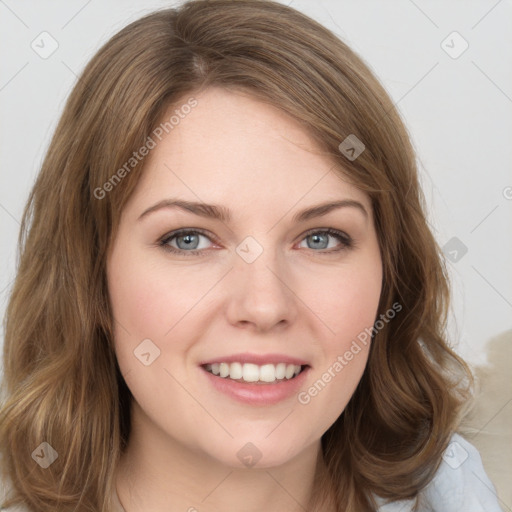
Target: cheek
<point>148,302</point>
<point>346,301</point>
<point>345,353</point>
<point>356,306</point>
<point>148,299</point>
<point>348,307</point>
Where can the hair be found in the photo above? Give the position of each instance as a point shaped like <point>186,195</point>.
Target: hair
<point>62,383</point>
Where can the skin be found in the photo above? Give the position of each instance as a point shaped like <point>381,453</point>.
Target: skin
<point>298,298</point>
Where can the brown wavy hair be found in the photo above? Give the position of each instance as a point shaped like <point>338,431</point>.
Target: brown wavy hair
<point>62,383</point>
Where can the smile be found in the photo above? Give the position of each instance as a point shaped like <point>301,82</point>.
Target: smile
<point>256,385</point>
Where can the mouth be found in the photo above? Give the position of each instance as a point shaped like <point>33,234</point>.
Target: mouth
<point>256,379</point>
<point>250,373</point>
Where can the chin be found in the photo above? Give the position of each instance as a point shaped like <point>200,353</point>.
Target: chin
<point>256,452</point>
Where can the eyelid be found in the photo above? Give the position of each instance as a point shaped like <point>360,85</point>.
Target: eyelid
<point>331,231</point>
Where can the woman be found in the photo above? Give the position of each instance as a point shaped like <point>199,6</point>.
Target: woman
<point>228,296</point>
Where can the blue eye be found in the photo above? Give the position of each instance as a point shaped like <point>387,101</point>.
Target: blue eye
<point>320,239</point>
<point>185,240</point>
<point>188,241</point>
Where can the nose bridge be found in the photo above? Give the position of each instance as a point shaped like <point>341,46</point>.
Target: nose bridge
<point>260,293</point>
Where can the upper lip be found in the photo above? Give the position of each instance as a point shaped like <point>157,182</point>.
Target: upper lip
<point>258,359</point>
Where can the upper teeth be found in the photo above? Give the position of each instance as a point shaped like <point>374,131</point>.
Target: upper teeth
<point>253,373</point>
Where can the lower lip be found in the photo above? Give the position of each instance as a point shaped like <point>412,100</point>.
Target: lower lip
<point>258,393</point>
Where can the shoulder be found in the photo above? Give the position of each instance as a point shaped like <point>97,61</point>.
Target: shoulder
<point>461,482</point>
<point>459,485</point>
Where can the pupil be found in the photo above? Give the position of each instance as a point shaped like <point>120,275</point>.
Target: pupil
<point>318,238</point>
<point>188,240</point>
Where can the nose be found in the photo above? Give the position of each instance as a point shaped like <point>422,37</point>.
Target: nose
<point>261,294</point>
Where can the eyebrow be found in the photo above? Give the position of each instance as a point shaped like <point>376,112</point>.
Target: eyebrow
<point>223,214</point>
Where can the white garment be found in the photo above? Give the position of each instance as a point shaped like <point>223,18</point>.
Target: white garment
<point>460,485</point>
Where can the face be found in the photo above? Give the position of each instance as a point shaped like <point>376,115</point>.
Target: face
<point>261,284</point>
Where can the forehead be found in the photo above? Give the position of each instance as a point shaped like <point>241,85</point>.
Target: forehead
<point>234,149</point>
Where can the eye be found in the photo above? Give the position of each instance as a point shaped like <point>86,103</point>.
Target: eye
<point>185,241</point>
<point>319,239</point>
<point>188,241</point>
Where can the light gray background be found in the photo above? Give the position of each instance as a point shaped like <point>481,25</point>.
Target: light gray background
<point>458,112</point>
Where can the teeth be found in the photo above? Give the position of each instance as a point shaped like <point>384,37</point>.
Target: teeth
<point>250,373</point>
<point>267,373</point>
<point>254,373</point>
<point>223,369</point>
<point>280,370</point>
<point>235,371</point>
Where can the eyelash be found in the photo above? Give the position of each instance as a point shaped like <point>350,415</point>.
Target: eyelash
<point>346,241</point>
